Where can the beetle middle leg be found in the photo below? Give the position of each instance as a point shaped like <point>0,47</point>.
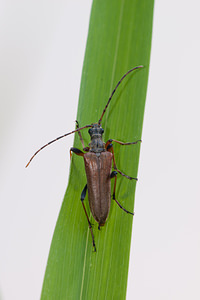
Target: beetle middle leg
<point>83,194</point>
<point>114,175</point>
<point>109,147</point>
<point>122,143</point>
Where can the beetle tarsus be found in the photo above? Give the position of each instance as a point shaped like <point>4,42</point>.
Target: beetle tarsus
<point>133,178</point>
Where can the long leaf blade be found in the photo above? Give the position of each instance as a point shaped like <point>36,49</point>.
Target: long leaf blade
<point>119,38</point>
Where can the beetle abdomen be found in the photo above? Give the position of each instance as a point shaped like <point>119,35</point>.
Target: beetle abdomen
<point>98,170</point>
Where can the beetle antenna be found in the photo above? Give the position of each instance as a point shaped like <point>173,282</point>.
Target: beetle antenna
<point>138,67</point>
<point>60,137</point>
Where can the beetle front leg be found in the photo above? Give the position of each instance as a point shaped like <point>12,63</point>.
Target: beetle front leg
<point>81,138</point>
<point>112,175</point>
<point>76,151</point>
<point>110,149</point>
<point>83,194</point>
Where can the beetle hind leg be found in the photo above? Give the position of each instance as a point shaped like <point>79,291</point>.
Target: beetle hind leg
<point>114,175</point>
<point>83,194</point>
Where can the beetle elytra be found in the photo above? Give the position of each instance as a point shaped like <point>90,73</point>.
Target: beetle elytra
<point>98,159</point>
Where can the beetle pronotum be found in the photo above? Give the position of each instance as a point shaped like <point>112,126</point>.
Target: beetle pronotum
<point>98,158</point>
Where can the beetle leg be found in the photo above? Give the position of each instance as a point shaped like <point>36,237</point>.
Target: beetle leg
<point>80,135</point>
<point>83,194</point>
<point>81,138</point>
<point>121,143</point>
<point>110,149</point>
<point>112,175</point>
<point>76,151</point>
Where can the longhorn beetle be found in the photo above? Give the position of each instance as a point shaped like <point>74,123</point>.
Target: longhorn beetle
<point>98,159</point>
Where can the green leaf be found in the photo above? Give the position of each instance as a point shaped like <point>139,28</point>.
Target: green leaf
<point>119,39</point>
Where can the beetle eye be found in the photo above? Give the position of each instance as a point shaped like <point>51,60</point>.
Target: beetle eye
<point>90,131</point>
<point>102,130</point>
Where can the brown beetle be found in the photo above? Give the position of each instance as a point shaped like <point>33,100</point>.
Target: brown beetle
<point>98,158</point>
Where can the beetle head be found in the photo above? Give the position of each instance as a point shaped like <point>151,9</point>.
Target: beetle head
<point>96,131</point>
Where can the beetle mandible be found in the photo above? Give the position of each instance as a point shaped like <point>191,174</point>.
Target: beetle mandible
<point>98,158</point>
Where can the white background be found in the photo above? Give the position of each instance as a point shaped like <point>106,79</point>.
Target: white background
<point>42,47</point>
